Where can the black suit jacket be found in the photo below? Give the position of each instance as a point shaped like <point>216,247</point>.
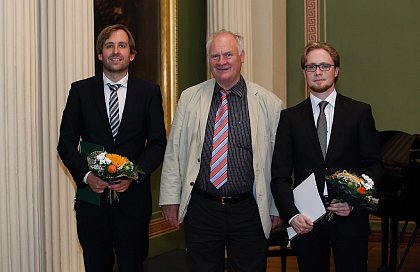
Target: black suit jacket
<point>141,136</point>
<point>353,146</point>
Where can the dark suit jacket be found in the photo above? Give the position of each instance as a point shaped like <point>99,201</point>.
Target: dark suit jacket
<point>353,146</point>
<point>141,136</point>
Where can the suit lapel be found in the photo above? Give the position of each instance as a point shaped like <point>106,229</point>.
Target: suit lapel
<point>130,103</point>
<point>204,108</point>
<point>99,102</point>
<point>307,118</point>
<point>336,130</point>
<point>253,105</point>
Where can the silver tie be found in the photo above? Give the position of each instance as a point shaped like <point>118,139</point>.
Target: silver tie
<point>114,116</point>
<point>321,125</point>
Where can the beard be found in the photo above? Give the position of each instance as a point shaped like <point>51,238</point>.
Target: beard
<point>115,68</point>
<point>320,88</point>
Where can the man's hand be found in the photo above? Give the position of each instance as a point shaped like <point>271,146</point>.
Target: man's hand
<point>170,212</point>
<point>120,185</point>
<point>302,224</point>
<point>96,184</point>
<point>342,209</point>
<point>275,221</point>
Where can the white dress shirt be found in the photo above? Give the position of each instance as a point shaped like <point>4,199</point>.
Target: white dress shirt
<point>329,113</point>
<point>122,93</point>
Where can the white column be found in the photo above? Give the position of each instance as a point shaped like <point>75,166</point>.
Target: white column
<point>269,45</point>
<point>235,16</point>
<point>46,44</point>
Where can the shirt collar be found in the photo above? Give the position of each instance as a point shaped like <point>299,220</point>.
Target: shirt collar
<point>123,81</point>
<point>238,89</point>
<point>330,99</point>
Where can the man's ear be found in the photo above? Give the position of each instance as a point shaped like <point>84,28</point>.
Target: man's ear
<point>337,71</point>
<point>304,74</point>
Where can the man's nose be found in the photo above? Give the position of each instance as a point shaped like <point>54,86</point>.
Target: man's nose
<point>222,59</point>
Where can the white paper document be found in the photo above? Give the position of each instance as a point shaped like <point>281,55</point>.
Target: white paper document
<point>308,202</point>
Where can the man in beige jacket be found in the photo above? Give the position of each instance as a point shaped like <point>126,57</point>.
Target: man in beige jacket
<point>235,212</point>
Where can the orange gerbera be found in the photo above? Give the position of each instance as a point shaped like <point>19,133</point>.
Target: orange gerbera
<point>111,169</point>
<point>117,160</point>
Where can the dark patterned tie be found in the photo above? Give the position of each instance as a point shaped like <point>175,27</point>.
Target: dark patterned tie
<point>114,116</point>
<point>321,125</point>
<point>218,163</point>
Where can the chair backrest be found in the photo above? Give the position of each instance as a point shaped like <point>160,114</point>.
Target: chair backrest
<point>395,148</point>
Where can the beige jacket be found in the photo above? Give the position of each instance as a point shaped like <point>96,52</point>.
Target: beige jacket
<point>183,151</point>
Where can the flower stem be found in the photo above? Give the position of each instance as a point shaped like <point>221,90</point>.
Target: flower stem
<point>330,215</point>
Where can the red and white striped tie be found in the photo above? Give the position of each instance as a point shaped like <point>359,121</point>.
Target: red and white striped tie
<point>219,155</point>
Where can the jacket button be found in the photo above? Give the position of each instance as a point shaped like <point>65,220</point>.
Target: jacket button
<point>198,160</point>
<point>192,183</point>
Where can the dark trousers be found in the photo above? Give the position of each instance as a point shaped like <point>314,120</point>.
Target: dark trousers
<point>105,231</point>
<point>210,227</point>
<point>313,249</point>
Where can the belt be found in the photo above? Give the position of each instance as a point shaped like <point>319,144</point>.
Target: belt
<point>225,199</point>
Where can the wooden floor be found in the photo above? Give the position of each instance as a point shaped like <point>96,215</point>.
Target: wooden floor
<point>411,263</point>
<point>177,260</point>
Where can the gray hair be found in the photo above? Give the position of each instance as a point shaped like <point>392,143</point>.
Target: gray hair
<point>238,38</point>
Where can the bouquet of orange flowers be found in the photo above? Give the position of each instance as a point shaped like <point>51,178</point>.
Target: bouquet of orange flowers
<point>110,167</point>
<point>353,189</point>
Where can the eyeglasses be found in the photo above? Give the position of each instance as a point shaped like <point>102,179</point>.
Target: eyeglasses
<point>323,67</point>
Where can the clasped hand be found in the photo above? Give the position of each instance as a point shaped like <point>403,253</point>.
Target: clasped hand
<point>303,224</point>
<point>98,185</point>
<point>340,208</point>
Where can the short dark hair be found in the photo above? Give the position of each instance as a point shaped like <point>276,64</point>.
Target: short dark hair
<point>106,33</point>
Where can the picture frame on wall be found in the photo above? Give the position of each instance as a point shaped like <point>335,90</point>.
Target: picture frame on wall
<point>153,25</point>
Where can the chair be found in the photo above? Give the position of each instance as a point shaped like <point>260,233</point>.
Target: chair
<point>410,241</point>
<point>278,243</point>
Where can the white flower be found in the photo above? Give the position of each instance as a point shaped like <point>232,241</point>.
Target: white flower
<point>97,167</point>
<point>102,159</point>
<point>101,156</point>
<point>367,178</point>
<point>368,184</point>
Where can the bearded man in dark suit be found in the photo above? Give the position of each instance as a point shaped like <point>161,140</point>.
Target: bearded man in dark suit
<point>119,227</point>
<point>350,144</point>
